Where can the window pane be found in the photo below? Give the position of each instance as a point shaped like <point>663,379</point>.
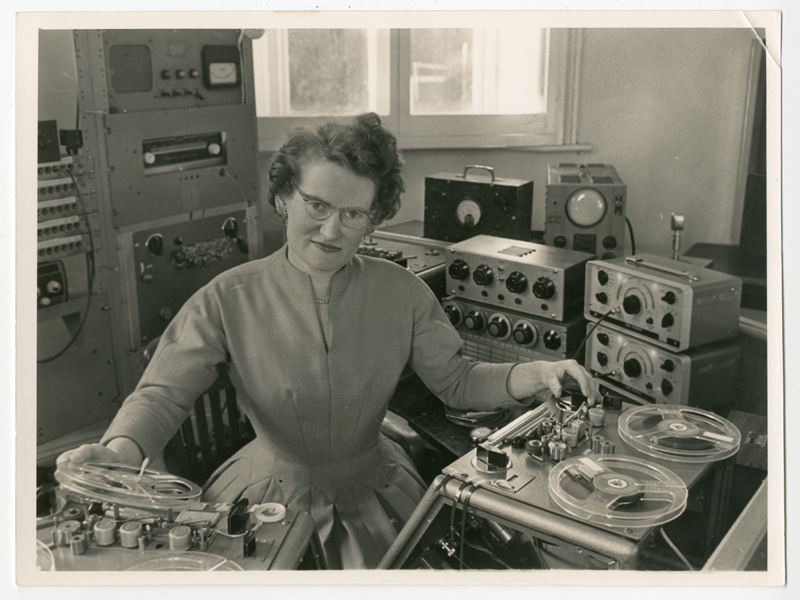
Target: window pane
<point>478,71</point>
<point>322,72</point>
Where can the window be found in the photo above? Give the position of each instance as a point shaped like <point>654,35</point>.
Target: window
<point>434,88</point>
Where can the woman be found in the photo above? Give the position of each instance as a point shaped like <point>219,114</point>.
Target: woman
<point>315,339</point>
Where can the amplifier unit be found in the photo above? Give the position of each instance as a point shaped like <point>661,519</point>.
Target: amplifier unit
<point>585,209</point>
<point>532,278</point>
<point>457,208</point>
<point>491,334</point>
<point>673,304</point>
<point>702,377</point>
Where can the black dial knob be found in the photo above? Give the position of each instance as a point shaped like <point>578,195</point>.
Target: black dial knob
<point>459,270</point>
<point>667,320</point>
<point>544,288</point>
<point>517,282</point>
<point>498,327</point>
<point>603,338</point>
<point>453,314</point>
<point>483,275</point>
<point>474,321</point>
<point>552,340</point>
<point>609,242</point>
<point>666,387</point>
<point>602,277</point>
<point>668,366</point>
<point>632,367</point>
<point>523,334</point>
<point>602,297</point>
<point>632,305</point>
<point>560,241</point>
<point>155,244</point>
<point>231,228</point>
<point>669,298</point>
<point>602,359</point>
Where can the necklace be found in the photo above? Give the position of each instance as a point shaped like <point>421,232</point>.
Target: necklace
<point>317,301</point>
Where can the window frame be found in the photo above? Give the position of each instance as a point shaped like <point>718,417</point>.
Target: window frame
<point>553,131</point>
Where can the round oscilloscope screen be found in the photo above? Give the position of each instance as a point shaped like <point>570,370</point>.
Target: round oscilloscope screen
<point>586,207</point>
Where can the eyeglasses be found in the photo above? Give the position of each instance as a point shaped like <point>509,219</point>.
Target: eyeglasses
<point>319,210</point>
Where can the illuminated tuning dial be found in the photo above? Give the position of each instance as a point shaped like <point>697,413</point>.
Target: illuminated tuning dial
<point>517,283</point>
<point>474,321</point>
<point>459,270</point>
<point>483,275</point>
<point>544,288</point>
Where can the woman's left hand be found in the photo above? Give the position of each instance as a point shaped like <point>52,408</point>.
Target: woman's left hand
<point>529,379</point>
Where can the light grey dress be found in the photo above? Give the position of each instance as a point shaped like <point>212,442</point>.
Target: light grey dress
<point>316,411</point>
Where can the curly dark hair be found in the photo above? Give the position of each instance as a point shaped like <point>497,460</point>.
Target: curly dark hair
<point>362,145</point>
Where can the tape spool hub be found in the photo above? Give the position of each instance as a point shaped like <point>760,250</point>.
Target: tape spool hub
<point>679,433</point>
<point>617,491</point>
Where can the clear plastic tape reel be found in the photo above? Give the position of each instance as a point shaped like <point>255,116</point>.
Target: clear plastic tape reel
<point>679,433</point>
<point>123,484</point>
<point>617,491</point>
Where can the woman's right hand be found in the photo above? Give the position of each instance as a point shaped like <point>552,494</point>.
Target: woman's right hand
<point>89,453</point>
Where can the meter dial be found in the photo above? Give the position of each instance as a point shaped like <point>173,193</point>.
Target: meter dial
<point>586,207</point>
<point>468,213</point>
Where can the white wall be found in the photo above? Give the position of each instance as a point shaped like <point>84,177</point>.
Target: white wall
<point>666,108</point>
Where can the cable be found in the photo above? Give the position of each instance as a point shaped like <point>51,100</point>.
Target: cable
<point>633,239</point>
<point>675,548</point>
<point>90,268</point>
<point>589,333</point>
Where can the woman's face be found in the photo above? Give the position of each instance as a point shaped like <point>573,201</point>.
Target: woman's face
<point>326,246</point>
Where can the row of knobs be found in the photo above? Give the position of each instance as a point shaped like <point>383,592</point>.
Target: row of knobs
<point>497,327</point>
<point>516,282</point>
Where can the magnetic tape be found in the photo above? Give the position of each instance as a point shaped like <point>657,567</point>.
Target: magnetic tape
<point>675,305</point>
<point>532,278</point>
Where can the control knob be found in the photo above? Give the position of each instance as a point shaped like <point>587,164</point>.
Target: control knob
<point>666,387</point>
<point>453,314</point>
<point>602,359</point>
<point>632,367</point>
<point>667,320</point>
<point>603,338</point>
<point>602,297</point>
<point>552,341</point>
<point>560,241</point>
<point>544,288</point>
<point>498,327</point>
<point>668,366</point>
<point>483,275</point>
<point>524,334</point>
<point>474,321</point>
<point>459,270</point>
<point>669,298</point>
<point>517,283</point>
<point>602,277</point>
<point>632,305</point>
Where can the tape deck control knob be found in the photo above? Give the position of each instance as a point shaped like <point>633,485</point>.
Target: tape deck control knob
<point>523,334</point>
<point>544,288</point>
<point>474,321</point>
<point>668,366</point>
<point>552,340</point>
<point>483,275</point>
<point>498,327</point>
<point>517,283</point>
<point>667,320</point>
<point>602,277</point>
<point>632,368</point>
<point>459,270</point>
<point>632,305</point>
<point>602,359</point>
<point>602,297</point>
<point>666,387</point>
<point>669,298</point>
<point>603,338</point>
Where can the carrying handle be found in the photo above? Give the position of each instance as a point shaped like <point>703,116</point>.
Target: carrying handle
<point>655,267</point>
<point>490,169</point>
